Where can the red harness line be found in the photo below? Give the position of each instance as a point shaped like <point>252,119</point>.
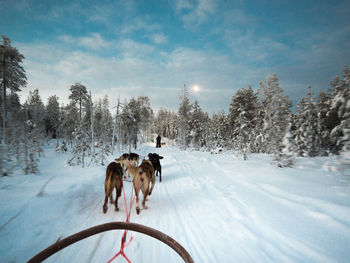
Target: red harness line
<point>122,242</point>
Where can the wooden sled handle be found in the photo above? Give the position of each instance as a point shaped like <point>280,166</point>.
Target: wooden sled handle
<point>61,244</point>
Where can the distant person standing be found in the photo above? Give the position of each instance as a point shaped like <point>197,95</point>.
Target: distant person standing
<point>158,142</point>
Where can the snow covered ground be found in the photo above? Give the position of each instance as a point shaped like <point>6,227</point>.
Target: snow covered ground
<point>219,207</point>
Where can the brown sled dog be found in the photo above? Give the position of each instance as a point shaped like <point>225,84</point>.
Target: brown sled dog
<point>114,174</point>
<point>142,176</point>
<point>147,166</point>
<point>128,166</point>
<point>143,181</point>
<point>128,159</point>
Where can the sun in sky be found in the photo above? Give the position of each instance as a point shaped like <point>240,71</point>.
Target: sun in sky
<point>196,88</point>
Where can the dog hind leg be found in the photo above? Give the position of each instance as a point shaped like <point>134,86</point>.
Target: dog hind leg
<point>153,181</point>
<point>108,192</point>
<point>137,190</point>
<point>117,194</point>
<point>105,207</point>
<point>145,194</point>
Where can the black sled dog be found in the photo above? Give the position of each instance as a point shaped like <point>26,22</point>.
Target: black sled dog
<point>154,158</point>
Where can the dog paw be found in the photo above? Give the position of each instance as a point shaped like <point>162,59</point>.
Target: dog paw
<point>116,209</point>
<point>138,210</point>
<point>105,209</point>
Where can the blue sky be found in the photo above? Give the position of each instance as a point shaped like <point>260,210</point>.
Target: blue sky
<point>151,48</point>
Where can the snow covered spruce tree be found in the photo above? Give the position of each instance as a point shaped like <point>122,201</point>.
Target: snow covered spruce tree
<point>340,98</point>
<point>103,128</point>
<point>12,79</point>
<point>199,123</point>
<point>345,153</point>
<point>307,131</point>
<point>52,118</point>
<point>218,132</point>
<point>130,123</point>
<point>9,153</point>
<point>70,120</point>
<point>184,113</point>
<point>78,95</point>
<point>171,131</point>
<point>243,121</point>
<point>276,107</point>
<point>87,114</point>
<point>30,151</point>
<point>77,131</point>
<point>146,117</point>
<point>127,123</point>
<point>341,105</point>
<point>243,139</point>
<point>134,108</point>
<point>81,146</point>
<point>35,112</point>
<point>325,122</point>
<point>286,155</point>
<point>31,133</point>
<point>165,124</point>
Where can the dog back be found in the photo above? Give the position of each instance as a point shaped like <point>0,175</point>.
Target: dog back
<point>148,168</point>
<point>154,158</point>
<point>114,168</point>
<point>134,158</point>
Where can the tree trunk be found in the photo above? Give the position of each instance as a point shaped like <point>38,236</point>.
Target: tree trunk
<point>80,108</point>
<point>4,98</point>
<point>92,127</point>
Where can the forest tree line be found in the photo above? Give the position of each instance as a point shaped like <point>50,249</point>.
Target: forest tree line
<point>257,122</point>
<point>262,122</point>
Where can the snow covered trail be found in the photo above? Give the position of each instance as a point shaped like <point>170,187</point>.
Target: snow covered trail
<point>219,207</point>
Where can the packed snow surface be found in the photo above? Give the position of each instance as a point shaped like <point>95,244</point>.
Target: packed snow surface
<point>217,206</point>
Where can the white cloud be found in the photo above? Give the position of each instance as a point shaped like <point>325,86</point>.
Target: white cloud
<point>158,38</point>
<point>237,17</point>
<point>94,41</point>
<point>131,48</point>
<point>20,5</point>
<point>194,14</point>
<point>141,69</point>
<point>105,13</point>
<point>132,75</point>
<point>249,47</point>
<point>139,23</point>
<point>181,5</point>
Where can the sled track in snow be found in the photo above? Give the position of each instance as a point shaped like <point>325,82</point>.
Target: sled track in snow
<point>9,221</point>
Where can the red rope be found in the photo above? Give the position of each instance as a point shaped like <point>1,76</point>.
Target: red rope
<point>122,242</point>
